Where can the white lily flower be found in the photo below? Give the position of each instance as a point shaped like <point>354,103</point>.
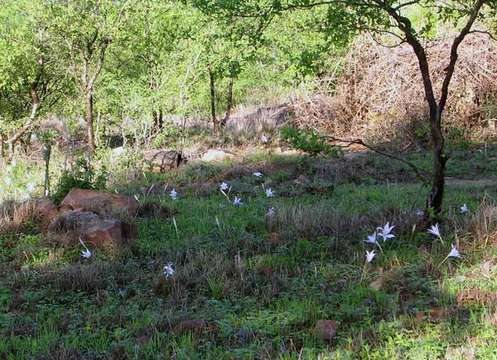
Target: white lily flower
<point>269,193</point>
<point>237,201</point>
<point>271,212</point>
<point>434,230</point>
<point>464,209</point>
<point>454,253</point>
<point>86,253</point>
<point>168,270</point>
<point>370,256</point>
<point>7,181</point>
<point>173,194</point>
<point>223,186</point>
<point>372,239</point>
<point>264,139</point>
<point>419,212</point>
<point>385,232</point>
<point>257,174</point>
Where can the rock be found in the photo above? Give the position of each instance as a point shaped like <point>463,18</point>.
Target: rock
<point>117,152</point>
<point>194,326</point>
<point>101,203</point>
<point>104,233</point>
<point>163,159</point>
<point>325,329</point>
<point>73,221</point>
<point>109,234</point>
<point>216,155</point>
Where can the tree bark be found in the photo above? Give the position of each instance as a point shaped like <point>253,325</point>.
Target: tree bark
<point>89,119</point>
<point>212,84</point>
<point>229,104</point>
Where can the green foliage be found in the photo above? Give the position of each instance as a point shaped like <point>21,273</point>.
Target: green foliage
<point>81,176</point>
<point>308,141</point>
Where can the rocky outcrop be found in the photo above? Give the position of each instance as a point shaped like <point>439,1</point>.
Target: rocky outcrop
<point>100,219</point>
<point>101,203</point>
<point>163,159</point>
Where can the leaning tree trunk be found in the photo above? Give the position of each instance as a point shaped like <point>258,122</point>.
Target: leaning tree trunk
<point>89,119</point>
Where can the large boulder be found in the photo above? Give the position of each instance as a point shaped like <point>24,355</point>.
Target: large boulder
<point>163,159</point>
<point>101,203</point>
<point>109,234</point>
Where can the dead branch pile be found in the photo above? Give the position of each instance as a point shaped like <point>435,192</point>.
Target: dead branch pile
<point>379,95</point>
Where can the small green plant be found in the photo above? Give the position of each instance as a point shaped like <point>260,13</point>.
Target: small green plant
<point>308,141</point>
<point>82,176</point>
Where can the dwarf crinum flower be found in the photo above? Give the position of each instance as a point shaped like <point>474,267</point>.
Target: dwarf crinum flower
<point>237,201</point>
<point>269,192</point>
<point>271,212</point>
<point>257,174</point>
<point>173,194</point>
<point>370,256</point>
<point>454,253</point>
<point>372,239</point>
<point>434,230</point>
<point>464,209</point>
<point>385,232</point>
<point>168,270</point>
<point>86,253</point>
<point>223,186</point>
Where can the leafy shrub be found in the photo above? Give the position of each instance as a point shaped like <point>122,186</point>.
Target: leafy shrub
<point>307,140</point>
<point>82,176</point>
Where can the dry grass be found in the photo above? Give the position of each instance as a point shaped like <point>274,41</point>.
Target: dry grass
<point>380,97</point>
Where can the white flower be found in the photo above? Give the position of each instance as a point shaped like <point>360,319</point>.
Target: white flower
<point>385,231</point>
<point>30,187</point>
<point>370,255</point>
<point>269,193</point>
<point>223,186</point>
<point>464,209</point>
<point>257,174</point>
<point>7,181</point>
<point>434,230</point>
<point>372,239</point>
<point>271,212</point>
<point>419,212</point>
<point>86,253</point>
<point>264,139</point>
<point>454,253</point>
<point>173,194</point>
<point>237,201</point>
<point>168,270</point>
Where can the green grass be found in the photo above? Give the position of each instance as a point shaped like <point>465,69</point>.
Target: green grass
<point>261,284</point>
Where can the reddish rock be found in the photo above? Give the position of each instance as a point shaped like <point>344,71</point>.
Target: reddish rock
<point>109,234</point>
<point>325,329</point>
<point>194,326</point>
<point>99,202</point>
<point>105,234</point>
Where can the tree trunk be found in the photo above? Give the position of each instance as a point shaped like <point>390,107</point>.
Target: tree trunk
<point>435,198</point>
<point>212,83</point>
<point>32,117</point>
<point>158,120</point>
<point>229,104</point>
<point>47,151</point>
<point>89,119</point>
<point>2,150</point>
